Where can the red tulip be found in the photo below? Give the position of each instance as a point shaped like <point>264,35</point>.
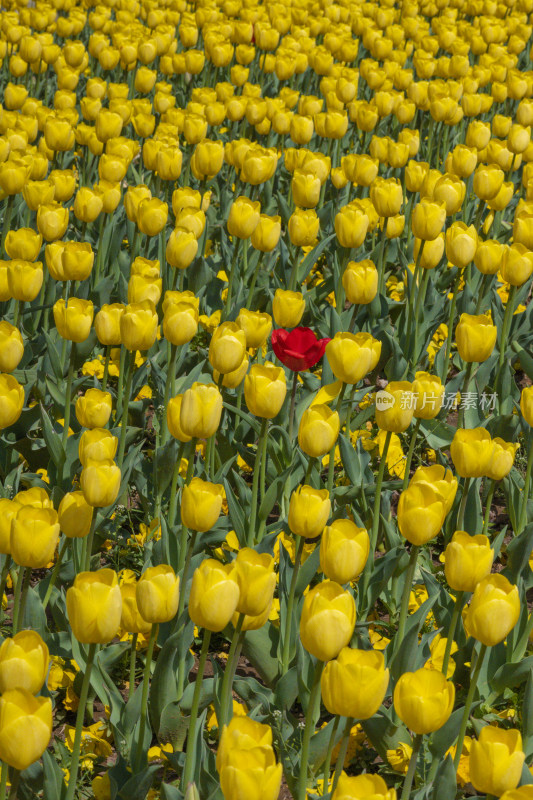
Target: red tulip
<point>299,348</point>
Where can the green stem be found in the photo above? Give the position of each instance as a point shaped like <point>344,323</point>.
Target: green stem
<point>419,303</point>
<point>227,680</point>
<point>68,400</point>
<point>466,385</point>
<point>86,563</point>
<point>509,310</point>
<point>185,575</point>
<point>7,218</point>
<point>175,476</point>
<point>55,573</point>
<point>462,507</point>
<point>99,253</point>
<point>21,591</point>
<point>451,318</point>
<point>292,405</point>
<point>15,781</point>
<point>343,749</point>
<point>74,764</point>
<point>525,492</point>
<point>409,575</point>
<point>255,484</point>
<point>106,367</point>
<point>310,721</point>
<point>411,769</point>
<point>410,454</point>
<point>327,762</point>
<point>458,607</point>
<point>377,496</point>
<point>482,292</point>
<point>331,463</point>
<point>262,484</point>
<point>381,262</point>
<point>3,780</point>
<point>474,674</point>
<point>124,415</point>
<point>293,277</point>
<point>231,281</point>
<point>190,757</point>
<point>120,390</point>
<point>290,606</point>
<point>144,699</point>
<point>133,661</point>
<point>488,505</point>
<point>168,384</point>
<point>253,282</point>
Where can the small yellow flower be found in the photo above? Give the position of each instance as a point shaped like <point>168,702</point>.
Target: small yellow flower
<point>463,771</point>
<point>399,757</point>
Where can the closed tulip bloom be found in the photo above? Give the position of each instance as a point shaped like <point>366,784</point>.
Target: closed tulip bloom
<point>158,594</point>
<point>352,356</point>
<point>52,221</point>
<point>351,226</point>
<point>11,400</point>
<point>428,219</point>
<point>318,431</point>
<point>97,444</point>
<point>255,575</point>
<point>424,700</point>
<point>75,515</point>
<point>256,326</point>
<point>328,620</point>
<point>182,248</point>
<point>467,561</point>
<point>502,460</point>
<point>94,606</point>
<point>180,323</point>
<point>34,536</point>
<point>24,243</point>
<point>100,483</point>
<point>496,760</point>
<point>522,229</point>
<point>421,513</point>
<point>488,180</point>
<point>451,191</point>
<point>233,379</point>
<point>428,393</point>
<point>355,683</point>
<point>266,235</point>
<point>265,387</point>
<point>152,215</point>
<point>93,409</point>
<point>242,734</point>
<point>362,787</point>
<point>74,319</point>
<point>526,404</point>
<point>227,347</point>
<point>107,323</point>
<point>201,503</point>
<point>130,618</point>
<point>309,511</point>
<point>517,265</point>
<point>24,279</point>
<point>396,414</point>
<point>344,551</point>
<point>360,281</point>
<point>488,256</point>
<point>214,595</point>
<point>77,260</point>
<point>201,409</point>
<point>305,189</point>
<point>432,252</point>
<point>522,793</point>
<point>475,336</point>
<point>471,452</point>
<point>133,198</point>
<point>11,347</point>
<point>8,510</point>
<point>288,308</point>
<point>304,225</point>
<point>461,244</point>
<point>252,773</point>
<point>173,419</point>
<point>243,217</point>
<point>386,196</point>
<point>138,326</point>
<point>442,480</point>
<point>36,497</point>
<point>24,662</point>
<point>464,160</point>
<point>493,611</point>
<point>25,727</point>
<point>14,173</point>
<point>87,204</point>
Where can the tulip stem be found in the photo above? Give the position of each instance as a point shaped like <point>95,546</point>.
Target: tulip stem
<point>171,369</point>
<point>106,366</point>
<point>255,484</point>
<point>15,780</point>
<point>120,390</point>
<point>262,482</point>
<point>451,319</point>
<point>74,765</point>
<point>7,217</point>
<point>377,496</point>
<point>410,454</point>
<point>462,507</point>
<point>227,680</point>
<point>290,606</point>
<point>292,405</point>
<point>310,721</point>
<point>124,415</point>
<point>144,699</point>
<point>508,316</point>
<point>21,592</point>
<point>419,303</point>
<point>404,608</point>
<point>231,279</point>
<point>190,759</point>
<point>466,385</point>
<point>343,749</point>
<point>3,582</point>
<point>68,403</point>
<point>3,781</point>
<point>474,674</point>
<point>185,574</point>
<point>133,661</point>
<point>327,762</point>
<point>411,769</point>
<point>381,262</point>
<point>488,505</point>
<point>525,492</point>
<point>458,607</point>
<point>331,463</point>
<point>86,563</point>
<point>482,292</point>
<point>55,573</point>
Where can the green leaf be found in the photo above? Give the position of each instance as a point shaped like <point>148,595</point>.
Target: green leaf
<point>52,439</point>
<point>173,726</point>
<point>510,675</point>
<point>445,784</point>
<point>140,784</point>
<point>260,648</point>
<point>311,258</point>
<point>53,783</point>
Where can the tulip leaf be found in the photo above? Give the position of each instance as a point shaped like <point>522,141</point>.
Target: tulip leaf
<point>445,783</point>
<point>53,778</point>
<point>518,553</point>
<point>169,792</point>
<point>52,355</point>
<point>318,746</point>
<point>52,439</point>
<point>526,360</point>
<point>526,778</point>
<point>140,784</point>
<point>408,656</point>
<point>312,257</point>
<point>206,697</point>
<point>287,689</point>
<point>510,675</point>
<point>174,725</point>
<point>384,733</point>
<point>260,648</point>
<point>236,513</point>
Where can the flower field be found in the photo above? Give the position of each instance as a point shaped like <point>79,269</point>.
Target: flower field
<point>266,400</point>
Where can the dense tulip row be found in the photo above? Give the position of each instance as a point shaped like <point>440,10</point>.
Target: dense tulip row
<point>266,401</point>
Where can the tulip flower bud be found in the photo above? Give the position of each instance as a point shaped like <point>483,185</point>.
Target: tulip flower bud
<point>517,264</point>
<point>526,404</point>
<point>318,430</point>
<point>424,700</point>
<point>441,479</point>
<point>387,196</point>
<point>246,762</point>
<point>11,400</point>
<point>138,326</point>
<point>77,260</point>
<point>421,513</point>
<point>303,227</point>
<point>8,510</point>
<point>227,347</point>
<point>344,551</point>
<point>180,323</point>
<point>130,618</point>
<point>475,336</point>
<point>24,279</point>
<point>182,247</point>
<point>74,319</point>
<point>24,662</point>
<point>34,536</point>
<point>428,219</point>
<point>288,308</point>
<point>501,462</point>
<point>471,451</point>
<point>24,244</point>
<point>493,611</point>
<point>11,347</point>
<point>328,620</point>
<point>256,326</point>
<point>158,594</point>
<point>25,727</point>
<point>201,503</point>
<point>75,515</point>
<point>351,226</point>
<point>395,407</point>
<point>362,786</point>
<point>488,257</point>
<point>201,409</point>
<point>93,409</point>
<point>360,281</point>
<point>255,575</point>
<point>152,215</point>
<point>496,761</point>
<point>309,511</point>
<point>355,683</point>
<point>467,561</point>
<point>107,323</point>
<point>265,388</point>
<point>242,734</point>
<point>94,606</point>
<point>461,244</point>
<point>352,356</point>
<point>100,483</point>
<point>428,393</point>
<point>243,217</point>
<point>214,595</point>
<point>488,180</point>
<point>97,444</point>
<point>266,236</point>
